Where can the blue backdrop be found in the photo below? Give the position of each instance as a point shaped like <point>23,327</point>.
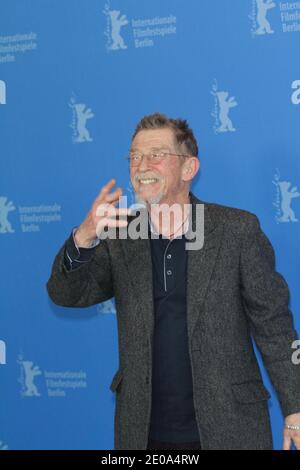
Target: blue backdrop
<point>75,78</point>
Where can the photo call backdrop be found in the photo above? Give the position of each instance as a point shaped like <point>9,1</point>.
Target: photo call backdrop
<point>75,78</point>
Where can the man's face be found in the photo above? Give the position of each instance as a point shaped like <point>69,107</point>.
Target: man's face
<point>167,174</point>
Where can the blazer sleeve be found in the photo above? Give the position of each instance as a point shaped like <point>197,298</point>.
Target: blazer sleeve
<point>266,298</point>
<point>88,284</point>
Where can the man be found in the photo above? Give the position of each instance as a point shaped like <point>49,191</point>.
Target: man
<point>188,377</point>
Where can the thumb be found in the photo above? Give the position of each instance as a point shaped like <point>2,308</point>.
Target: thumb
<point>286,442</point>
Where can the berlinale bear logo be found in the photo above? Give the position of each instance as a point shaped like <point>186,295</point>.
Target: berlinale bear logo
<point>5,208</point>
<point>28,373</point>
<point>263,7</point>
<point>113,29</point>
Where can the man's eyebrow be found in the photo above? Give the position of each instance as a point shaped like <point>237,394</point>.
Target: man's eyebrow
<point>161,147</point>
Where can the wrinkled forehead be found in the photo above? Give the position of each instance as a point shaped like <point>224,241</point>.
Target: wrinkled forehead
<point>148,139</point>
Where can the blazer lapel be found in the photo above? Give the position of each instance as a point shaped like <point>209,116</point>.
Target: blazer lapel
<point>200,264</point>
<point>138,259</point>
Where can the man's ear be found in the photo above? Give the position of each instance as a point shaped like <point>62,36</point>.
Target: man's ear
<point>190,168</point>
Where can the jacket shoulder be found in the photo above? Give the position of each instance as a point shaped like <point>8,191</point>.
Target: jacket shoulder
<point>236,219</point>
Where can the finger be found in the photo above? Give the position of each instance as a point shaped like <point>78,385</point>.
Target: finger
<point>286,443</point>
<point>102,208</point>
<point>131,210</point>
<point>113,196</point>
<point>109,210</point>
<point>113,203</point>
<point>106,188</point>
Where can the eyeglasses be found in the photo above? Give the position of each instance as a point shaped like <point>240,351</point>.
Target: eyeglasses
<point>154,157</point>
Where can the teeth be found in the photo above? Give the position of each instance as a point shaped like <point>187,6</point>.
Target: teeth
<point>148,180</point>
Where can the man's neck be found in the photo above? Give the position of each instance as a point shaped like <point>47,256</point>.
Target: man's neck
<point>170,218</point>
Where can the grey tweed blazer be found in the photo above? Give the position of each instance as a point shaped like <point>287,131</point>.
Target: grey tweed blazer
<point>233,294</point>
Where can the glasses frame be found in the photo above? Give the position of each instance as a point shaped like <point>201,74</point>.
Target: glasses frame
<point>129,158</point>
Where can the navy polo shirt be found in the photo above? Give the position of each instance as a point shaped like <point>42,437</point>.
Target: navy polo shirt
<point>172,412</point>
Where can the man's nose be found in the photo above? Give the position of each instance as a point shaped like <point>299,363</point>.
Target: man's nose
<point>144,165</point>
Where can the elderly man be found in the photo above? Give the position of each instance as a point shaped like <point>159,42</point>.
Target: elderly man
<point>188,377</point>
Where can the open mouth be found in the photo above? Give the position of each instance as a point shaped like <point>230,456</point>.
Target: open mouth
<point>147,181</point>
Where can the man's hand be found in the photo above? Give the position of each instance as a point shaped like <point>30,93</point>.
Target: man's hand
<point>93,223</point>
<point>290,435</point>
